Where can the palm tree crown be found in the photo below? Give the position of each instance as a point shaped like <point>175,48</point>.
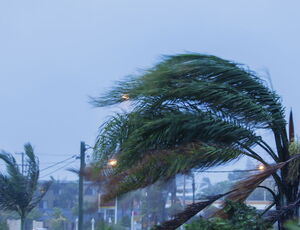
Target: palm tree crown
<point>19,191</point>
<point>190,111</point>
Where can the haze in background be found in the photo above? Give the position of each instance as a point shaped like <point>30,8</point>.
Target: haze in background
<point>54,54</point>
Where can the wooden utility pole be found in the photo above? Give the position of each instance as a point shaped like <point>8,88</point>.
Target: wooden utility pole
<point>80,195</point>
<point>193,186</point>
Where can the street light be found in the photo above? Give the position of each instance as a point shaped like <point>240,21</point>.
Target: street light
<point>112,162</point>
<point>125,97</point>
<point>261,167</point>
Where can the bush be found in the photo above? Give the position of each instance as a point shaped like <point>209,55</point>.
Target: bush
<point>3,225</point>
<point>239,217</point>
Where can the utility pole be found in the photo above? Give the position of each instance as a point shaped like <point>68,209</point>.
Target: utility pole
<point>184,184</point>
<point>80,196</point>
<point>193,186</point>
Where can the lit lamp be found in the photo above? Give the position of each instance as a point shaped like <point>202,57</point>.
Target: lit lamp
<point>261,167</point>
<point>112,162</point>
<point>125,97</point>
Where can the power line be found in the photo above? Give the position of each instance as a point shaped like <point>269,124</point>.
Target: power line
<point>45,155</point>
<point>47,163</point>
<point>58,169</point>
<point>228,171</point>
<point>57,163</point>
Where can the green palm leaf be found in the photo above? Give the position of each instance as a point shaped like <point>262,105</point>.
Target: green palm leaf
<point>19,191</point>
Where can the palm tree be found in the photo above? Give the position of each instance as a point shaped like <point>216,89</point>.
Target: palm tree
<point>20,192</point>
<point>194,111</point>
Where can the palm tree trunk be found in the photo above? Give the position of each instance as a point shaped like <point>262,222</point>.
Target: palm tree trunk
<point>291,194</point>
<point>22,222</point>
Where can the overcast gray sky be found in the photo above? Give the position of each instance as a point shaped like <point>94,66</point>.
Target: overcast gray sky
<point>55,53</point>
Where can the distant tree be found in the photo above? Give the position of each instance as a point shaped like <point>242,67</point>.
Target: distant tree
<point>238,175</point>
<point>19,191</point>
<point>3,225</point>
<point>58,220</point>
<point>218,188</point>
<point>206,183</point>
<point>35,214</point>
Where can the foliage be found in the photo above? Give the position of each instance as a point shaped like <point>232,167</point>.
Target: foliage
<point>292,225</point>
<point>35,214</point>
<point>58,220</point>
<point>3,225</point>
<point>20,191</point>
<point>218,188</point>
<point>239,217</point>
<point>193,111</point>
<point>294,167</point>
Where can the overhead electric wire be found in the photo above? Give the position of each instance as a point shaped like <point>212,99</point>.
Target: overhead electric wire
<point>228,171</point>
<point>57,163</point>
<point>58,169</point>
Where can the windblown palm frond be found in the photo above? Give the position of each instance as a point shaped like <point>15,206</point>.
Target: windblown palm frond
<point>202,82</point>
<point>162,165</point>
<point>135,134</point>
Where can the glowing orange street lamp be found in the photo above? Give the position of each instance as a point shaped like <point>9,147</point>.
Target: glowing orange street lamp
<point>112,162</point>
<point>261,167</point>
<point>125,97</point>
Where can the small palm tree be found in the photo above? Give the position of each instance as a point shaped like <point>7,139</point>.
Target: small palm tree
<point>20,192</point>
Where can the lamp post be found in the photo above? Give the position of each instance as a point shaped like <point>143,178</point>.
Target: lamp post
<point>113,163</point>
<point>76,224</point>
<point>93,223</point>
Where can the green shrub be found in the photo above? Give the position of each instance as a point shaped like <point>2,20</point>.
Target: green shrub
<point>240,217</point>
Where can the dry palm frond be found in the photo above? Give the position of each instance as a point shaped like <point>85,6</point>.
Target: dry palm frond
<point>188,213</point>
<point>245,187</point>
